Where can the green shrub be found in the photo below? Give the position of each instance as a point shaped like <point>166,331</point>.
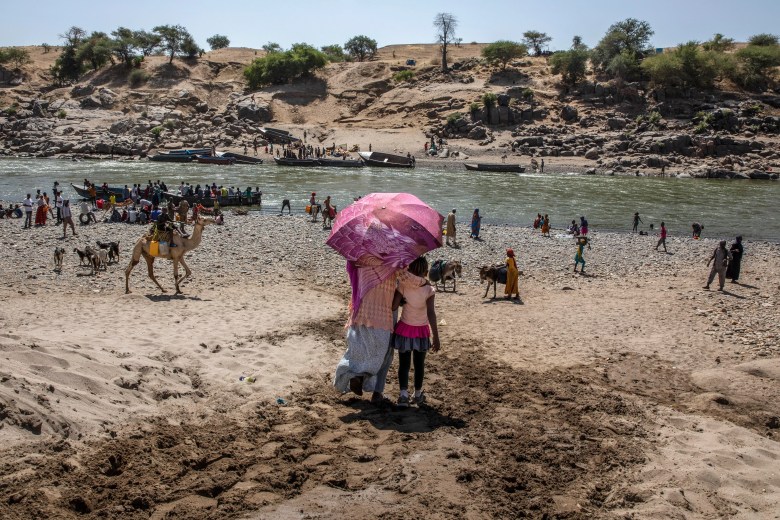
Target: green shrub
<point>170,124</point>
<point>62,114</point>
<point>137,77</point>
<point>277,68</point>
<point>489,99</point>
<point>452,118</point>
<point>403,75</point>
<point>156,131</point>
<point>701,128</point>
<point>654,118</point>
<point>137,60</point>
<point>504,51</point>
<point>474,106</point>
<point>527,93</point>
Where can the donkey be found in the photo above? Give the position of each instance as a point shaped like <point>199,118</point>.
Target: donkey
<point>492,274</point>
<point>442,270</point>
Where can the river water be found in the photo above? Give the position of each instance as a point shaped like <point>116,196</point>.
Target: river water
<point>725,207</point>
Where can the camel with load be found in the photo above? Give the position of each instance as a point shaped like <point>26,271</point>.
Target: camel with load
<point>175,254</point>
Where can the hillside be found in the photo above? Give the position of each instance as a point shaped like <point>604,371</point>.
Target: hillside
<point>600,127</point>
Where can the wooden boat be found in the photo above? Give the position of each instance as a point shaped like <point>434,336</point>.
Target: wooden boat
<point>194,151</point>
<point>208,202</point>
<point>494,167</point>
<point>207,159</point>
<point>287,161</point>
<point>168,157</point>
<point>386,160</point>
<point>100,193</point>
<point>340,163</point>
<point>243,159</point>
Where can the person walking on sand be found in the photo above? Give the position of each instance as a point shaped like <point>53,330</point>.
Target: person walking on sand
<point>662,239</point>
<point>637,220</point>
<point>412,334</point>
<point>721,256</point>
<point>451,229</point>
<point>579,258</point>
<point>512,276</point>
<point>476,224</point>
<point>67,219</point>
<point>369,354</point>
<point>736,260</point>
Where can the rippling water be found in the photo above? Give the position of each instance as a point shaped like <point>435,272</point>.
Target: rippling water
<point>725,207</point>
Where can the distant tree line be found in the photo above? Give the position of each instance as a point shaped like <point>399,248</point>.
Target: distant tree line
<point>83,51</point>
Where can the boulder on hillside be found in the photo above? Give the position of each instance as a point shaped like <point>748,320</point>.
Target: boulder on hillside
<point>569,113</point>
<point>592,153</point>
<point>503,100</point>
<point>616,123</point>
<point>121,127</point>
<point>91,102</point>
<point>478,132</point>
<point>82,90</point>
<point>259,113</point>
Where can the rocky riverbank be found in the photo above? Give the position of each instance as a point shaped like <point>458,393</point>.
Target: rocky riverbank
<point>632,380</point>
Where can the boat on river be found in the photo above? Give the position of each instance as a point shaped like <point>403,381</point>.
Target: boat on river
<point>172,157</point>
<point>289,161</point>
<point>494,167</point>
<point>340,163</point>
<point>276,136</point>
<point>243,159</point>
<point>207,159</point>
<point>100,193</point>
<point>191,151</point>
<point>386,160</point>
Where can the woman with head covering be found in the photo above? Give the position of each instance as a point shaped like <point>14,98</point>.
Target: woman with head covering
<point>579,257</point>
<point>476,224</point>
<point>583,226</point>
<point>546,225</point>
<point>512,275</point>
<point>736,260</point>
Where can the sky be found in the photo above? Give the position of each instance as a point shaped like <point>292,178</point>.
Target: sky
<point>252,23</point>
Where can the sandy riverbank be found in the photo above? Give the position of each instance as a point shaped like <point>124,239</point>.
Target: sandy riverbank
<point>627,391</point>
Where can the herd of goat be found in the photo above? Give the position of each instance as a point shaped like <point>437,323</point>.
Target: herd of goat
<point>97,259</point>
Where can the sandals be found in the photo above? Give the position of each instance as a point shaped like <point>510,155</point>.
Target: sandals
<point>356,385</point>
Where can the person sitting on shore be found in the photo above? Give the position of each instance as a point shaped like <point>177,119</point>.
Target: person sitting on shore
<point>87,210</point>
<point>573,229</point>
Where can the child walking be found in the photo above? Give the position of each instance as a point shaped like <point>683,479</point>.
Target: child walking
<point>412,337</point>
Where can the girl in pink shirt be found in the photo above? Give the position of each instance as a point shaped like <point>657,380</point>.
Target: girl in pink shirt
<point>412,335</point>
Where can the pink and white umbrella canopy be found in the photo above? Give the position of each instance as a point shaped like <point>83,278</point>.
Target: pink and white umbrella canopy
<point>396,228</point>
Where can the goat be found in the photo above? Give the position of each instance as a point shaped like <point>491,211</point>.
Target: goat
<point>112,247</point>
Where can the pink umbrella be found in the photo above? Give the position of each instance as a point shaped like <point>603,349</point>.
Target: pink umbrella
<point>396,228</point>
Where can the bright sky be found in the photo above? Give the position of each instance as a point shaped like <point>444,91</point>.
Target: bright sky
<point>251,23</point>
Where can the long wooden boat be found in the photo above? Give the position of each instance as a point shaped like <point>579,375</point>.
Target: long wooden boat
<point>286,161</point>
<point>100,193</point>
<point>207,159</point>
<point>494,167</point>
<point>274,135</point>
<point>243,159</point>
<point>340,163</point>
<point>386,160</point>
<point>168,157</point>
<point>193,151</point>
<point>209,202</point>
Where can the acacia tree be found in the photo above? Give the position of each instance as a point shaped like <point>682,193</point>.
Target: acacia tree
<point>96,49</point>
<point>718,43</point>
<point>172,38</point>
<point>622,47</point>
<point>361,47</point>
<point>67,66</point>
<point>272,47</point>
<point>15,55</point>
<point>445,24</point>
<point>147,42</point>
<point>124,45</point>
<point>572,64</point>
<point>218,41</point>
<point>504,51</point>
<point>536,40</point>
<point>334,52</point>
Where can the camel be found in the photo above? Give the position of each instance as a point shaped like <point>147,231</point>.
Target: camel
<point>175,254</point>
